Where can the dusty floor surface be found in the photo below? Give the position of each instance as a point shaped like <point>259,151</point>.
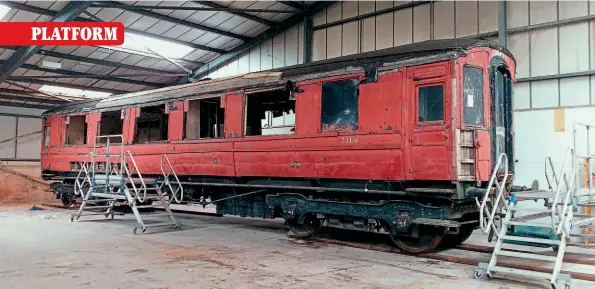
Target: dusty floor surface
<point>42,249</point>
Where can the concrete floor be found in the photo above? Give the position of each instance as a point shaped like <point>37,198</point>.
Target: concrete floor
<point>42,249</point>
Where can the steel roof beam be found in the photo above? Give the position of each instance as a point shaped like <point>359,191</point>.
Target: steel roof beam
<point>47,12</point>
<point>237,13</point>
<point>29,99</point>
<point>268,34</point>
<point>26,105</point>
<point>189,8</point>
<point>80,75</point>
<point>96,61</point>
<point>178,21</point>
<point>68,13</point>
<point>295,4</point>
<point>70,85</point>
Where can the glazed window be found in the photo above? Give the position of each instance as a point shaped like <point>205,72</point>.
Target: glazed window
<point>76,130</point>
<point>472,96</point>
<point>151,125</point>
<point>270,113</point>
<point>430,103</point>
<point>340,105</point>
<point>204,119</point>
<point>46,135</point>
<point>111,124</point>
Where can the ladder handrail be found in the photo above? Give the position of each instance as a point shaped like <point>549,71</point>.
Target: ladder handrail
<point>555,209</point>
<point>548,160</point>
<point>500,187</point>
<point>166,181</point>
<point>135,170</point>
<point>78,186</point>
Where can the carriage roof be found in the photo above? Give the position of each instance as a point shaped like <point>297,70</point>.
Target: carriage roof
<point>406,55</point>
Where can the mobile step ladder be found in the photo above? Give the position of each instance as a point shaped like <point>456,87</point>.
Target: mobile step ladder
<point>562,201</point>
<point>115,177</point>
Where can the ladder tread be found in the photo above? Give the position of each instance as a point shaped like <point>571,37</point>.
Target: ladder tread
<point>521,272</point>
<point>527,255</point>
<point>531,240</point>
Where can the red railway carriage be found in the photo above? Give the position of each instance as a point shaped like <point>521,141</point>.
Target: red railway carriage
<point>400,139</point>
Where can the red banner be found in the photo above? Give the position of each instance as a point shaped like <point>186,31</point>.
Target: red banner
<point>61,33</point>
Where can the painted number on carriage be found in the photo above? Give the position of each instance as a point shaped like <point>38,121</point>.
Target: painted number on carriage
<point>349,140</point>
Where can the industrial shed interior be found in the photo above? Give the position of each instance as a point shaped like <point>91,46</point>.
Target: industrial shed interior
<point>176,46</point>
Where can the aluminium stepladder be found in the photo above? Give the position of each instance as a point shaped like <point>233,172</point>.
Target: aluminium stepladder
<point>116,178</point>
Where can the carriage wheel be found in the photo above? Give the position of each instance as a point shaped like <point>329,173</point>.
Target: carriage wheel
<point>428,239</point>
<point>309,228</point>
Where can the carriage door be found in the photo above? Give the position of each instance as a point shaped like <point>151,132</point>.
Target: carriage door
<point>429,122</point>
<point>501,112</point>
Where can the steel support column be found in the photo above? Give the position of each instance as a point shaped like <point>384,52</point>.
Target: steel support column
<point>502,24</point>
<point>266,35</point>
<point>70,12</point>
<point>308,39</point>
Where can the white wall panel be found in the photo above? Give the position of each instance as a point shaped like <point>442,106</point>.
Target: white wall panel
<point>593,90</point>
<point>444,20</point>
<point>368,34</point>
<point>384,30</point>
<point>29,147</point>
<point>255,59</point>
<point>366,7</point>
<point>232,68</point>
<point>279,51</point>
<point>266,55</point>
<point>381,5</point>
<point>543,11</point>
<point>8,131</point>
<point>421,23</point>
<point>291,46</point>
<point>466,18</point>
<point>334,41</point>
<point>573,9</point>
<point>244,63</point>
<point>300,44</point>
<point>517,13</point>
<point>574,91</point>
<point>521,97</point>
<point>574,48</point>
<point>518,44</point>
<point>544,93</point>
<point>350,9</point>
<point>350,39</point>
<point>403,26</point>
<point>544,52</point>
<point>488,16</point>
<point>334,12</point>
<point>529,139</point>
<point>319,45</point>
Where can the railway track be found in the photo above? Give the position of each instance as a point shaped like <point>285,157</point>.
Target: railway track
<point>378,242</point>
<point>441,256</point>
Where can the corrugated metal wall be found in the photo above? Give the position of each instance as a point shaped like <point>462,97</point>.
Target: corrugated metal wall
<point>16,121</point>
<point>553,43</point>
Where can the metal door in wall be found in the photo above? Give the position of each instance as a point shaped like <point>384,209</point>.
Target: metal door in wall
<point>428,121</point>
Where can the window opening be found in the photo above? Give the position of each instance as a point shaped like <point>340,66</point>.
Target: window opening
<point>111,124</point>
<point>76,130</point>
<point>473,109</point>
<point>204,119</point>
<point>151,125</point>
<point>430,103</point>
<point>340,105</point>
<point>46,135</point>
<point>270,113</point>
